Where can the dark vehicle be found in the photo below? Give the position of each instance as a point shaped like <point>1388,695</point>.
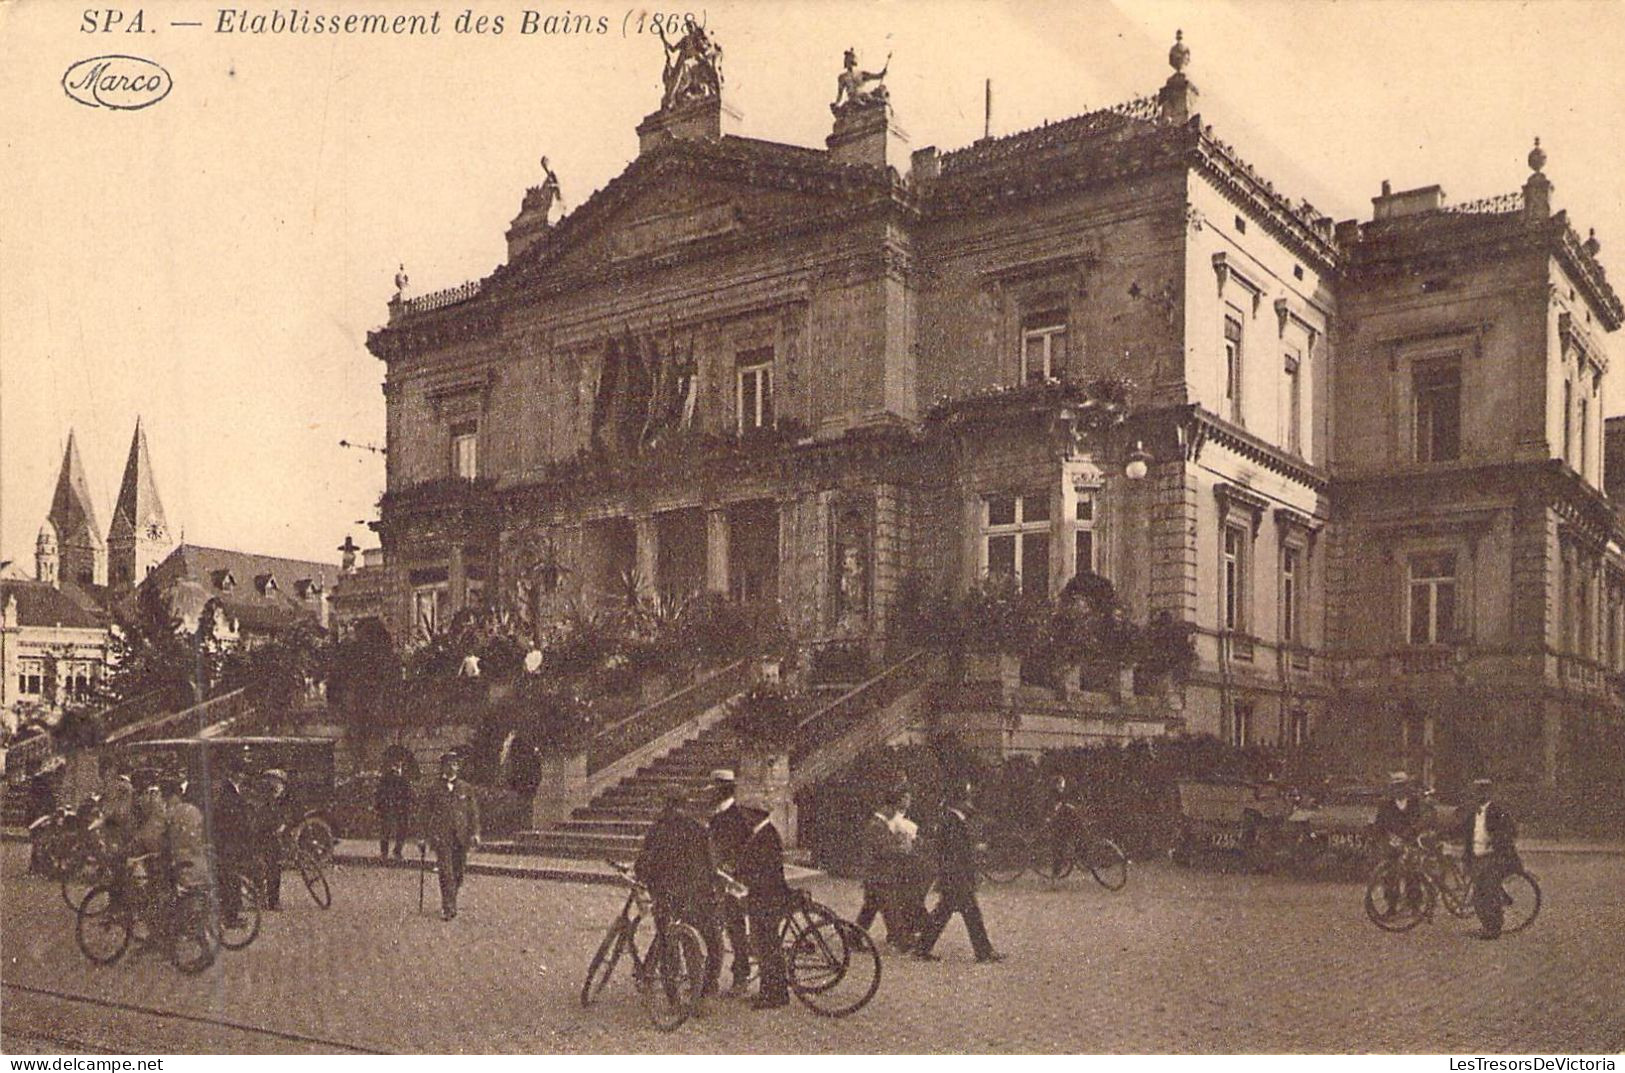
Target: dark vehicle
<point>308,763</point>
<point>1332,830</point>
<point>1233,815</point>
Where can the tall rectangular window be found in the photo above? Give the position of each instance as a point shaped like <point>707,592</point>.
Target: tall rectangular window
<point>1432,612</point>
<point>1583,420</point>
<point>465,450</point>
<point>1043,348</point>
<point>1241,723</point>
<point>428,605</point>
<point>1290,557</point>
<point>1297,727</point>
<point>1568,420</point>
<point>1234,581</point>
<point>1293,439</point>
<point>1437,392</point>
<point>754,390</point>
<point>1232,368</point>
<point>1083,535</point>
<point>1015,540</point>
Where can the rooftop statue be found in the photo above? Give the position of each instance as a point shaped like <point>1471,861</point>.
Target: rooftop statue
<point>401,280</point>
<point>693,65</point>
<point>849,86</point>
<point>548,192</point>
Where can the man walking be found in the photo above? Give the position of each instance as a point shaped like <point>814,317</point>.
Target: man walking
<point>393,803</point>
<point>761,869</point>
<point>884,859</point>
<point>956,883</point>
<point>450,825</point>
<point>1489,844</point>
<point>675,864</point>
<point>730,830</point>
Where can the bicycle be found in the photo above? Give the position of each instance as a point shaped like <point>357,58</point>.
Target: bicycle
<point>670,979</point>
<point>1423,866</point>
<point>236,933</point>
<point>152,912</point>
<point>298,851</point>
<point>1011,854</point>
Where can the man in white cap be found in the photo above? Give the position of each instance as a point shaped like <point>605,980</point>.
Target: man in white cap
<point>1489,847</point>
<point>1398,822</point>
<point>730,829</point>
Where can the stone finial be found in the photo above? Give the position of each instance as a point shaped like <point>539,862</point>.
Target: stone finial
<point>1537,189</point>
<point>401,280</point>
<point>1180,54</point>
<point>1592,246</point>
<point>1387,188</point>
<point>1537,157</point>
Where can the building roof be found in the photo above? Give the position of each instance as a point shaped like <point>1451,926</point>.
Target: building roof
<point>41,604</point>
<point>138,504</point>
<point>262,592</point>
<point>72,513</point>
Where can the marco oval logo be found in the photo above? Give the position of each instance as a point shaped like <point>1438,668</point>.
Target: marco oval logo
<point>123,83</point>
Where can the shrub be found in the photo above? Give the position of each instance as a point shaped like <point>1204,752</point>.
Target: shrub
<point>764,716</point>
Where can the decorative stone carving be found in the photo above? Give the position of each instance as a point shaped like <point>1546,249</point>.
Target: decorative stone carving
<point>849,85</point>
<point>693,68</point>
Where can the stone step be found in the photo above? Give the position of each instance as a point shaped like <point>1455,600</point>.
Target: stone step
<point>616,812</point>
<point>553,843</point>
<point>595,826</point>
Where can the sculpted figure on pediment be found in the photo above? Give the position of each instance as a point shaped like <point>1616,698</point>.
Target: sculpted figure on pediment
<point>850,91</point>
<point>693,68</point>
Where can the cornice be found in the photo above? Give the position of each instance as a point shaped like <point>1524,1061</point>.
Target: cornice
<point>1205,426</point>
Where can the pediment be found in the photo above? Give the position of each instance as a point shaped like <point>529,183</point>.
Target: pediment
<point>683,201</point>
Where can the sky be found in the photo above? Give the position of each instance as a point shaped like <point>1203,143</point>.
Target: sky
<point>213,263</point>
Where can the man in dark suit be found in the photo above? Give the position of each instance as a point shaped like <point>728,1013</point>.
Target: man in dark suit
<point>266,821</point>
<point>1398,822</point>
<point>451,825</point>
<point>883,863</point>
<point>761,869</point>
<point>1489,838</point>
<point>231,832</point>
<point>956,883</point>
<point>393,803</point>
<point>675,864</point>
<point>729,831</point>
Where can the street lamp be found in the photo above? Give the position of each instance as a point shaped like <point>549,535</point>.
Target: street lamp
<point>1139,462</point>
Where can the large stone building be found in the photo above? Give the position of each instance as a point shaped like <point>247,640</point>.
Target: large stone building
<point>1364,461</point>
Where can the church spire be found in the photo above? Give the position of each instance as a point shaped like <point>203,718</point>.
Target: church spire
<point>81,553</point>
<point>139,536</point>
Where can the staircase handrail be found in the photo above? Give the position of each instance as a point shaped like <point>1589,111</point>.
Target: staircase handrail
<point>651,721</point>
<point>877,692</point>
<point>197,717</point>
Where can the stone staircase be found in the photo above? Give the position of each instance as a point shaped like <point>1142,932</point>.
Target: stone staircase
<point>614,822</point>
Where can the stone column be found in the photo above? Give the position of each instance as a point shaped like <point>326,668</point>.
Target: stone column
<point>457,587</point>
<point>648,558</point>
<point>716,550</point>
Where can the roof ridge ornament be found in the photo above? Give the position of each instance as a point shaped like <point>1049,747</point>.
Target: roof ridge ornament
<point>1537,157</point>
<point>1180,54</point>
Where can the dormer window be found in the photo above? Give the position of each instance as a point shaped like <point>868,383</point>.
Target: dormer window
<point>1043,348</point>
<point>224,581</point>
<point>307,587</point>
<point>266,584</point>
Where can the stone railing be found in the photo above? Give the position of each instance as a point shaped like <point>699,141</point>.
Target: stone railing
<point>835,734</point>
<point>450,296</point>
<point>187,722</point>
<point>1500,203</point>
<point>665,715</point>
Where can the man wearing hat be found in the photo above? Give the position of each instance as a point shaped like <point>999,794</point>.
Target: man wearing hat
<point>730,830</point>
<point>267,822</point>
<point>1399,820</point>
<point>1490,853</point>
<point>450,825</point>
<point>232,834</point>
<point>956,883</point>
<point>761,869</point>
<point>675,864</point>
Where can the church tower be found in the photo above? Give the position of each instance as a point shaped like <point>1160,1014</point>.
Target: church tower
<point>138,539</point>
<point>45,555</point>
<point>81,557</point>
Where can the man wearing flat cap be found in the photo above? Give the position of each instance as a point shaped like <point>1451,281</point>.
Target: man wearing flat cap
<point>1489,847</point>
<point>450,825</point>
<point>1399,820</point>
<point>730,830</point>
<point>268,819</point>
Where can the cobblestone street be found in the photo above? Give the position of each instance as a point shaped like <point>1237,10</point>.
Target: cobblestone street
<point>1186,961</point>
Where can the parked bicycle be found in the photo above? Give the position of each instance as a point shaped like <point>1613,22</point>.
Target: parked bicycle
<point>1010,854</point>
<point>301,854</point>
<point>139,905</point>
<point>1422,876</point>
<point>668,975</point>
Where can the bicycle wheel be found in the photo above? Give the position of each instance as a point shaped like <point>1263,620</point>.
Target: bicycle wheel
<point>674,974</point>
<point>1521,893</point>
<point>196,940</point>
<point>84,872</point>
<point>315,880</point>
<point>1006,860</point>
<point>834,968</point>
<point>1454,890</point>
<point>1405,914</point>
<point>237,934</point>
<point>315,837</point>
<point>1106,862</point>
<point>603,962</point>
<point>1051,861</point>
<point>102,926</point>
<point>808,917</point>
